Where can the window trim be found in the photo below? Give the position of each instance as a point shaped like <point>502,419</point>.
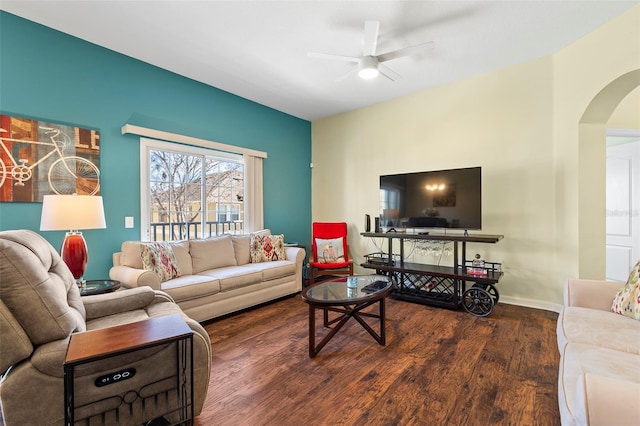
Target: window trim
<point>160,135</point>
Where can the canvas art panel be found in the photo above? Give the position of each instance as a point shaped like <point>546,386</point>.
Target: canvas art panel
<point>38,158</point>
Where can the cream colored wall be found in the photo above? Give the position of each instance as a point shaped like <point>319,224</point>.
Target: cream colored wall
<point>586,76</point>
<point>516,123</point>
<point>627,113</point>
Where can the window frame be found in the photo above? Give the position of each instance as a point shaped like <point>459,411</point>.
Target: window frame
<point>147,145</point>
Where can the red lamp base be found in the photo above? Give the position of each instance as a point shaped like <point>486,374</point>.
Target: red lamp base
<point>74,253</point>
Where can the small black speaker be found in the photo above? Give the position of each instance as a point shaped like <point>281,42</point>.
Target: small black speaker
<point>367,223</point>
<point>377,224</point>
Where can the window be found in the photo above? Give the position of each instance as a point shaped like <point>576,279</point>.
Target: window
<point>189,192</point>
<point>389,199</point>
<point>389,205</point>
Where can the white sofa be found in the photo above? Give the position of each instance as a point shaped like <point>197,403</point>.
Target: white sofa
<point>217,276</point>
<point>599,374</point>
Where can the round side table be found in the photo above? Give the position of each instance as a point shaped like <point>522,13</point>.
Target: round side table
<point>92,287</point>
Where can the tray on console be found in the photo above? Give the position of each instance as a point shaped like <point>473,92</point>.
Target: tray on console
<point>381,258</point>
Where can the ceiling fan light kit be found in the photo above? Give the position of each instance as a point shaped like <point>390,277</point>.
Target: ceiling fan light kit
<point>368,68</point>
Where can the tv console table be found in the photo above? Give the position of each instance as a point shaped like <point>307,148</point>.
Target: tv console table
<point>436,285</point>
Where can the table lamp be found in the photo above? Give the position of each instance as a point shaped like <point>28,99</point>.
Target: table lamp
<point>73,213</point>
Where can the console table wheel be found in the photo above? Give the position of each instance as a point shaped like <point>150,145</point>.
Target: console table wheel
<point>491,289</point>
<point>477,301</point>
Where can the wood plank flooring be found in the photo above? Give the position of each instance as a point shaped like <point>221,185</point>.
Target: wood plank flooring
<point>439,367</point>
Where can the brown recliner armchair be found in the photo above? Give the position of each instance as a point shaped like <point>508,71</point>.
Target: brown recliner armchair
<point>40,307</point>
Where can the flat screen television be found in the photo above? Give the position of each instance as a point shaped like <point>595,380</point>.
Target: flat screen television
<point>432,199</point>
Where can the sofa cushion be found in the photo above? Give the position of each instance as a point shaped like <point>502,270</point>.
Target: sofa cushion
<point>211,253</point>
<point>627,299</point>
<point>131,254</point>
<point>579,359</point>
<point>241,248</point>
<point>158,258</point>
<point>183,257</point>
<point>274,270</point>
<point>234,277</point>
<point>191,287</point>
<point>598,328</point>
<point>267,248</point>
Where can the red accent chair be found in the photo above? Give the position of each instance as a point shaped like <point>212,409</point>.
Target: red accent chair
<point>329,250</point>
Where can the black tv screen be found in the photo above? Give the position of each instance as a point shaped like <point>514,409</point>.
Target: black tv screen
<point>432,199</point>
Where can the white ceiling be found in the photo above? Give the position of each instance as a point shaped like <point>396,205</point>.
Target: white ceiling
<point>258,49</point>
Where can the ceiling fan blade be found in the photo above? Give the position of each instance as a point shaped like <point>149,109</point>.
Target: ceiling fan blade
<point>347,75</point>
<point>388,72</point>
<point>407,51</point>
<point>332,56</point>
<point>371,29</point>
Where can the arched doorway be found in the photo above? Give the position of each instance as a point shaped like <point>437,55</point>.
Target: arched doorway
<point>623,198</point>
<point>592,174</point>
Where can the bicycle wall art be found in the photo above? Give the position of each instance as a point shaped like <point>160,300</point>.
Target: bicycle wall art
<point>40,157</point>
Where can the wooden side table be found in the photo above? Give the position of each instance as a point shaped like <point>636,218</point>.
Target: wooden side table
<point>96,345</point>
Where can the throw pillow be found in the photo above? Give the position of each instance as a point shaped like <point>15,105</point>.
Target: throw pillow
<point>158,257</point>
<point>330,251</point>
<point>212,253</point>
<point>627,300</point>
<point>267,248</point>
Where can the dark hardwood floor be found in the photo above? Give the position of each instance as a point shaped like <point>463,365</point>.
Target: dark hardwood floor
<point>439,367</point>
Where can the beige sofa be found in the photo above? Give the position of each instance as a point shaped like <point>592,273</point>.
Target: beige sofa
<point>41,307</point>
<point>217,276</point>
<point>599,374</point>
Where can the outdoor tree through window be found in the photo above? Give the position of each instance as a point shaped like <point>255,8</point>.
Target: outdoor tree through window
<point>194,194</point>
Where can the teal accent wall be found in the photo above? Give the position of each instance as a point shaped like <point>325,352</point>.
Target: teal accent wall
<point>46,74</point>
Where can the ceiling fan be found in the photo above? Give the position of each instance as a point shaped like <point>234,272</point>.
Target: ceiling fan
<point>370,64</point>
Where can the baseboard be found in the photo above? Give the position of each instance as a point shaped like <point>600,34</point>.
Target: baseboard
<point>530,303</point>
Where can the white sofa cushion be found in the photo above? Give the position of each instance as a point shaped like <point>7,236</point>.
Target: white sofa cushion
<point>234,277</point>
<point>211,253</point>
<point>242,248</point>
<point>191,286</point>
<point>579,359</point>
<point>606,411</point>
<point>599,328</point>
<point>274,270</point>
<point>181,252</point>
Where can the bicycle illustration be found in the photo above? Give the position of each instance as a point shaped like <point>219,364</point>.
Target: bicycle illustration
<point>68,174</point>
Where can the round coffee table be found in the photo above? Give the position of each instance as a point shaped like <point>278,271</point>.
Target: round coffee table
<point>347,296</point>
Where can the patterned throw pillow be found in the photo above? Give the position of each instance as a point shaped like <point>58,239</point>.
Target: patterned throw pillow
<point>158,257</point>
<point>627,300</point>
<point>267,248</point>
<point>330,251</point>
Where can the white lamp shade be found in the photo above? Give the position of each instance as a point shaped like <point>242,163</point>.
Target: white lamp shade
<point>72,212</point>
